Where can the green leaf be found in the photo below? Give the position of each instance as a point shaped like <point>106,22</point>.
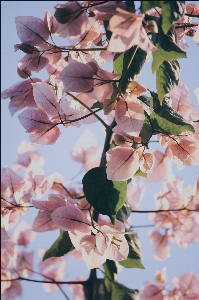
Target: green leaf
<point>172,11</point>
<point>108,33</point>
<point>157,61</point>
<point>99,291</point>
<point>121,292</point>
<point>97,105</point>
<point>146,131</point>
<point>134,256</point>
<point>124,212</point>
<point>60,247</point>
<point>102,294</point>
<point>140,173</point>
<point>118,63</point>
<point>167,78</point>
<point>110,269</point>
<point>165,119</point>
<point>146,5</point>
<point>167,46</point>
<point>132,263</point>
<point>145,99</point>
<point>115,91</point>
<point>113,144</point>
<point>130,6</point>
<point>122,65</point>
<point>106,196</point>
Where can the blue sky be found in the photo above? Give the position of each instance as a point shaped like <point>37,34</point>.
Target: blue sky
<point>58,158</point>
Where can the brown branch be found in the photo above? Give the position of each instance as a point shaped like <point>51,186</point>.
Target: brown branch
<point>90,289</point>
<point>45,281</point>
<point>162,210</point>
<point>142,226</point>
<point>190,15</point>
<point>185,25</point>
<point>88,115</point>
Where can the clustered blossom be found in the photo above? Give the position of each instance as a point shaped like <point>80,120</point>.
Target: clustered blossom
<point>185,287</point>
<point>78,87</point>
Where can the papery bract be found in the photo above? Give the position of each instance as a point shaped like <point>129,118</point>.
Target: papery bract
<point>8,253</point>
<point>21,95</point>
<point>50,22</point>
<point>91,255</point>
<point>55,69</point>
<point>46,138</point>
<point>31,30</point>
<point>24,263</point>
<point>25,154</point>
<point>5,284</point>
<point>160,244</point>
<point>152,292</point>
<point>77,289</point>
<point>34,120</point>
<point>123,163</point>
<point>70,218</point>
<point>12,180</point>
<point>181,100</point>
<point>188,284</point>
<point>74,20</point>
<point>53,268</point>
<point>33,62</point>
<point>42,130</point>
<point>162,166</point>
<point>129,115</point>
<point>77,77</point>
<point>72,112</point>
<point>23,234</point>
<point>53,202</point>
<point>86,99</point>
<point>172,192</point>
<point>135,193</point>
<point>13,291</point>
<point>102,85</point>
<point>92,30</point>
<point>46,98</point>
<point>185,149</point>
<point>24,73</point>
<point>43,222</point>
<point>161,276</point>
<point>86,151</point>
<point>127,32</point>
<point>53,55</point>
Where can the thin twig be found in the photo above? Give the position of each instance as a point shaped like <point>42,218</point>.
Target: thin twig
<point>161,210</point>
<point>45,281</point>
<point>82,103</point>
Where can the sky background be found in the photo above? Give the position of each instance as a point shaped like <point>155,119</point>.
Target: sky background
<point>58,159</point>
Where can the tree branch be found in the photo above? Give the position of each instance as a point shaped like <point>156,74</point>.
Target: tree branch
<point>142,226</point>
<point>45,281</point>
<point>185,25</point>
<point>82,103</point>
<point>161,210</point>
<point>90,289</point>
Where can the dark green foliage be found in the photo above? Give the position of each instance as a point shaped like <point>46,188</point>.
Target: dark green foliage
<point>60,247</point>
<point>106,196</point>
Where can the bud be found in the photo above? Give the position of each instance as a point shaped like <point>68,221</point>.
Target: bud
<point>63,15</point>
<point>25,73</point>
<point>190,33</point>
<point>109,105</point>
<point>151,27</point>
<point>91,14</point>
<point>93,65</point>
<point>136,89</point>
<point>119,139</point>
<point>25,48</point>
